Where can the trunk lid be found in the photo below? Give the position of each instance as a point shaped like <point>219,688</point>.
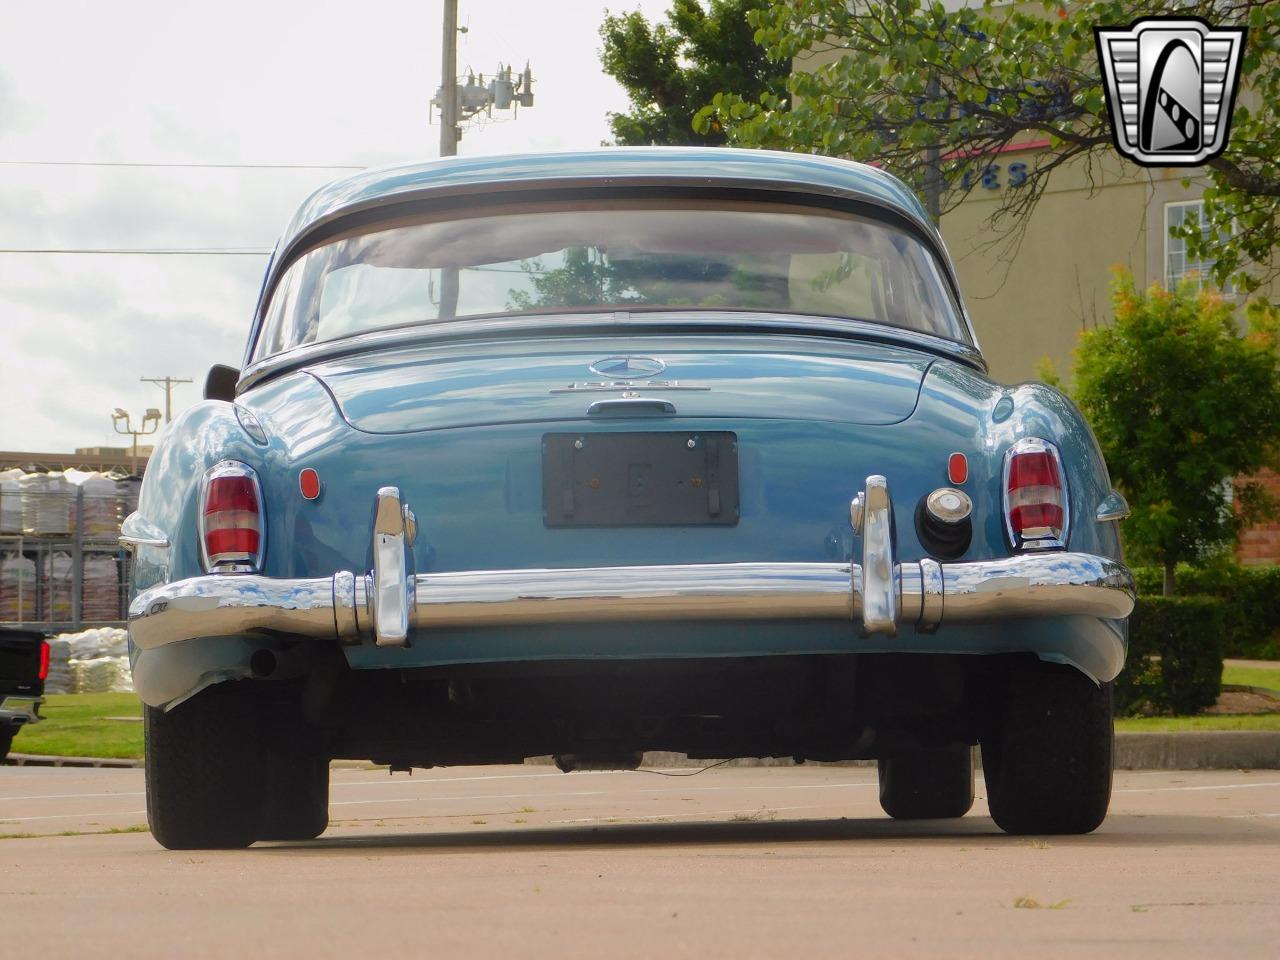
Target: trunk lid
<point>803,378</point>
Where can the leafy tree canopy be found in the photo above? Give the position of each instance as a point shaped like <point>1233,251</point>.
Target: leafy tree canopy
<point>902,82</point>
<point>670,70</point>
<point>1181,403</point>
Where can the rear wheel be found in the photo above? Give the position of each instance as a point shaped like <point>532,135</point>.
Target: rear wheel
<point>6,740</point>
<point>927,785</point>
<point>1047,757</point>
<point>206,770</point>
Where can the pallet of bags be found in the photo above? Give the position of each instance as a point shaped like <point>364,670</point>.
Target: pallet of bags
<point>57,582</point>
<point>123,682</point>
<point>99,503</point>
<point>17,588</point>
<point>100,588</point>
<point>11,501</point>
<point>59,679</point>
<point>48,505</point>
<point>96,642</point>
<point>94,676</point>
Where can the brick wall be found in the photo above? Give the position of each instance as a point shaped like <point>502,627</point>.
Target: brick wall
<point>1261,544</point>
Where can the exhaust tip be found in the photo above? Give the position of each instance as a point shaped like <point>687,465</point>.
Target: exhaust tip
<point>262,663</point>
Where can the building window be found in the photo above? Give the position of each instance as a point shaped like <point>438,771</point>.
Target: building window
<point>1178,266</point>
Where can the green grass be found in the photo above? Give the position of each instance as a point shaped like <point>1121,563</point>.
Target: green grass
<point>76,725</point>
<point>1262,721</point>
<point>1267,677</point>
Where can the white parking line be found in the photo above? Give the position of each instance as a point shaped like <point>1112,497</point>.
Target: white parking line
<point>77,796</point>
<point>1215,786</point>
<point>74,816</point>
<point>391,781</point>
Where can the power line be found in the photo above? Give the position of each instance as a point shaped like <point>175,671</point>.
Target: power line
<point>143,251</point>
<point>185,166</point>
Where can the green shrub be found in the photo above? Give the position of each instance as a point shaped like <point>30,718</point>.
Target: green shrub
<point>1251,618</point>
<point>1175,655</point>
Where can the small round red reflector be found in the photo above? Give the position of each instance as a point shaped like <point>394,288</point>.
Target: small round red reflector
<point>309,483</point>
<point>957,468</point>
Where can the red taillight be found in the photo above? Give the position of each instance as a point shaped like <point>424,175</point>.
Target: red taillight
<point>1035,496</point>
<point>231,519</point>
<point>44,660</point>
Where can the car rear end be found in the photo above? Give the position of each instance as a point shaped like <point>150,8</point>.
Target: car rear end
<point>24,665</point>
<point>594,471</point>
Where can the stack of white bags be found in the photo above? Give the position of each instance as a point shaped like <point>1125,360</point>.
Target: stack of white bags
<point>92,661</point>
<point>11,501</point>
<point>48,506</point>
<point>17,588</point>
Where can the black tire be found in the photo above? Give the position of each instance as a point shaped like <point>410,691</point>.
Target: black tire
<point>297,804</point>
<point>6,740</point>
<point>928,785</point>
<point>206,770</point>
<point>1047,758</point>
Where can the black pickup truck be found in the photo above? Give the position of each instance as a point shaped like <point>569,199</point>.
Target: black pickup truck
<point>24,664</point>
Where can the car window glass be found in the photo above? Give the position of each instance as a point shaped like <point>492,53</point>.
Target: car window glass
<point>637,255</point>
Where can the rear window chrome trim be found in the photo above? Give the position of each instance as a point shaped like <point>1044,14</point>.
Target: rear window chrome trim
<point>560,325</point>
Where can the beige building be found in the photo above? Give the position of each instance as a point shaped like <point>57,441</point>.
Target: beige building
<point>1032,288</point>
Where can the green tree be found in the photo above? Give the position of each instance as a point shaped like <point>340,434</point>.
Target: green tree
<point>1182,403</point>
<point>671,70</point>
<point>906,82</point>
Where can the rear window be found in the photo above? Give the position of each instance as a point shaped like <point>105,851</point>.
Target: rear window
<point>622,255</point>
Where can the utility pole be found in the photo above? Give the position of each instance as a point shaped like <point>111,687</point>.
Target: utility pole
<point>168,383</point>
<point>505,90</point>
<point>449,81</point>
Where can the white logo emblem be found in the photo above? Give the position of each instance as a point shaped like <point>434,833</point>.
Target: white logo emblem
<point>1171,84</point>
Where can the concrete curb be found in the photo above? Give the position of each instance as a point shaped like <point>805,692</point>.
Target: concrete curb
<point>1199,750</point>
<point>1186,750</point>
<point>40,760</point>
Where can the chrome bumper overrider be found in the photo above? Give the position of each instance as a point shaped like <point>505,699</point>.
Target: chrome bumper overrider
<point>390,602</point>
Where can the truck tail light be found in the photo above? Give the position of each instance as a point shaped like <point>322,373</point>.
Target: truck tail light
<point>44,661</point>
<point>232,532</point>
<point>1036,508</point>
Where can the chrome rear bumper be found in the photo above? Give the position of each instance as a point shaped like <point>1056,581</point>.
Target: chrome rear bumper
<point>20,709</point>
<point>390,603</point>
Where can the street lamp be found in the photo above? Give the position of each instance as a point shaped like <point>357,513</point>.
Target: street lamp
<point>149,419</point>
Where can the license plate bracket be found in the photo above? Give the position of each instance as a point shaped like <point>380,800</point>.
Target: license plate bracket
<point>659,479</point>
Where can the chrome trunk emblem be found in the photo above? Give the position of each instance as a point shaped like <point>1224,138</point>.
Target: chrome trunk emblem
<point>628,368</point>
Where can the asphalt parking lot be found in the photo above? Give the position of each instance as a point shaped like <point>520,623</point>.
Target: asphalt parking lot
<point>743,862</point>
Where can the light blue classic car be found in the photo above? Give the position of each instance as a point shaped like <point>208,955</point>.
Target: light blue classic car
<point>597,453</point>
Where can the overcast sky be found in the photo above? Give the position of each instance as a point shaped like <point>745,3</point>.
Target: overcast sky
<point>143,81</point>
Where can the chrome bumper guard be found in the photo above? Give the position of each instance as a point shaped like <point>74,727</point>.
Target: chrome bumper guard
<point>391,602</point>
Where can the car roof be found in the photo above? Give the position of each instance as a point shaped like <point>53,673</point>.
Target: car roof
<point>707,166</point>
